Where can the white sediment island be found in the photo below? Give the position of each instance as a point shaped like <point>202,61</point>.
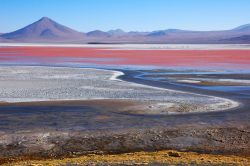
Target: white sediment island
<point>25,84</point>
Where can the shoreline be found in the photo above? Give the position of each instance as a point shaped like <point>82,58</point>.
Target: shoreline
<point>115,77</point>
<point>136,46</point>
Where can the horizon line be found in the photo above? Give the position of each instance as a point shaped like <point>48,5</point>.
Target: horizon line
<point>127,31</point>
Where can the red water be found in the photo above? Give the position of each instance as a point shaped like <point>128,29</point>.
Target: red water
<point>228,59</point>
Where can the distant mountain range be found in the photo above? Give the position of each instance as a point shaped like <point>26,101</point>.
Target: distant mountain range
<point>48,31</point>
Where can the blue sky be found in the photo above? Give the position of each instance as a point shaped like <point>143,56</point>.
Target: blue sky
<point>130,15</point>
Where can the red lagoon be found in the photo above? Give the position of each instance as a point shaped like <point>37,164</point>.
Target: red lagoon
<point>228,59</point>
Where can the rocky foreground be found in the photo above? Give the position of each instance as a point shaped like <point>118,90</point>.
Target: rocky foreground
<point>223,141</point>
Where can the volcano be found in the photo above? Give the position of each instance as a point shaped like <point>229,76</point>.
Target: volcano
<point>44,29</point>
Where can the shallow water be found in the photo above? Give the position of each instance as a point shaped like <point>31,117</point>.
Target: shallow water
<point>203,75</point>
<point>85,116</point>
<point>241,90</point>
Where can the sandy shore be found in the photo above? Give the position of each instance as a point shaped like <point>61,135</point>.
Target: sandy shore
<point>25,84</point>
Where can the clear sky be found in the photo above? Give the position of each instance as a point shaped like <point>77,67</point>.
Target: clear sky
<point>130,15</point>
